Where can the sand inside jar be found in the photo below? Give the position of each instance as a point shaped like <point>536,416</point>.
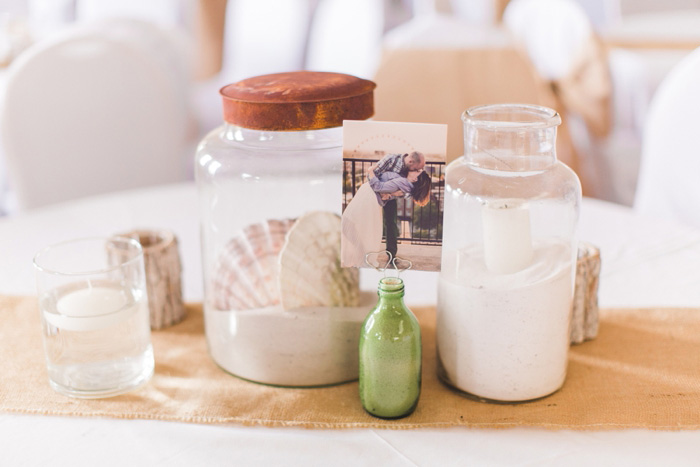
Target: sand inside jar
<point>505,337</point>
<point>303,347</point>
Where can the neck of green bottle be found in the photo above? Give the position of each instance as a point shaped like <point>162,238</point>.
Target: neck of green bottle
<point>390,288</point>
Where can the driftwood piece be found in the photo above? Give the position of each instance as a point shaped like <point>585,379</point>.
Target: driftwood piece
<point>163,276</point>
<point>584,313</point>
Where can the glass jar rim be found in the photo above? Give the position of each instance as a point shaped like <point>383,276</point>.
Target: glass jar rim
<point>520,117</point>
<point>39,256</point>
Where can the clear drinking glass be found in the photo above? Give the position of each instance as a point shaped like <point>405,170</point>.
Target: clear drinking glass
<point>95,317</point>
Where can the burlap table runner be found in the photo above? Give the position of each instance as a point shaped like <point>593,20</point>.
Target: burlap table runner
<point>641,372</point>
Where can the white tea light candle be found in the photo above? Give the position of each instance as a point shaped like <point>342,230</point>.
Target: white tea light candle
<point>92,308</point>
<point>91,301</point>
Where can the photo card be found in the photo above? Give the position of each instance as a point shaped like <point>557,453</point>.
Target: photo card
<point>393,193</point>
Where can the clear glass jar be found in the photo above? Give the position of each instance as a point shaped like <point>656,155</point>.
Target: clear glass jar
<point>278,159</point>
<point>508,257</point>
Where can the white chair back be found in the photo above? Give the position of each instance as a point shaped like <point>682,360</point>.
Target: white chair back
<point>553,33</point>
<point>264,36</point>
<point>561,44</point>
<point>98,109</point>
<point>668,186</point>
<point>332,48</point>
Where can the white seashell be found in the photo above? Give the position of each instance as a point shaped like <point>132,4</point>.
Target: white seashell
<point>310,272</point>
<point>245,274</point>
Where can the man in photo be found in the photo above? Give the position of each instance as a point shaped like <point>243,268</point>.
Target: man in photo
<point>362,220</point>
<point>401,164</point>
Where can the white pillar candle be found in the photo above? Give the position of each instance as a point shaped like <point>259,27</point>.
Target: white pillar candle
<point>507,238</point>
<point>91,308</point>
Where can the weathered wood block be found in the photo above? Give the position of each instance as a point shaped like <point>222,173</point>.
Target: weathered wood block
<point>584,313</point>
<point>163,276</point>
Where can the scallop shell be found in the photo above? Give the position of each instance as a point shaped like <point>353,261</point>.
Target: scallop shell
<point>245,274</point>
<point>310,272</point>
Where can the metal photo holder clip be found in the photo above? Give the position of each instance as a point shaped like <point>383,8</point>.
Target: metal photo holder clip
<point>392,263</point>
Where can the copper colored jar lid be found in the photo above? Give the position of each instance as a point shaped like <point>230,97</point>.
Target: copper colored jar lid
<point>301,100</point>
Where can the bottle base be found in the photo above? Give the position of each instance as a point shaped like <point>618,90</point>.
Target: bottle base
<point>393,417</point>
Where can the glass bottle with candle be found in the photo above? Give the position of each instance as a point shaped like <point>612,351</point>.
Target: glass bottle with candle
<point>390,355</point>
<point>508,257</point>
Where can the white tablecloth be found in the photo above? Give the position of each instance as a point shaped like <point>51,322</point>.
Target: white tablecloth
<point>645,263</point>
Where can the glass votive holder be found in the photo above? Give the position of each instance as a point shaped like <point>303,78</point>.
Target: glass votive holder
<point>95,318</point>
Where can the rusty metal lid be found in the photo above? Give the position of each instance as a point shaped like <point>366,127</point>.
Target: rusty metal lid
<point>300,100</point>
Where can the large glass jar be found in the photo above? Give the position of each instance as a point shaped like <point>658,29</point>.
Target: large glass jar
<point>508,257</point>
<point>278,309</point>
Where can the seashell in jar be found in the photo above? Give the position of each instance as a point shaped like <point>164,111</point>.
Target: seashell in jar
<point>310,273</point>
<point>245,274</point>
<point>292,263</point>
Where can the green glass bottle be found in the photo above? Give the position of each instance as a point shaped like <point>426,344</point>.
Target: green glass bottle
<point>390,355</point>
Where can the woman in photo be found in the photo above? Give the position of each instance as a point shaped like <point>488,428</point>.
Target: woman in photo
<point>362,219</point>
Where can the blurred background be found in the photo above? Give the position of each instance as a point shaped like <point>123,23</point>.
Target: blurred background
<point>98,96</point>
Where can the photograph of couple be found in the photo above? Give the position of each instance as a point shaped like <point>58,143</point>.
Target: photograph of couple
<point>392,203</point>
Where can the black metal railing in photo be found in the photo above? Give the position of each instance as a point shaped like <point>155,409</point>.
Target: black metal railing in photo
<point>417,224</point>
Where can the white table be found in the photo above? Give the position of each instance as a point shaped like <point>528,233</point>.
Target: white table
<point>645,263</point>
